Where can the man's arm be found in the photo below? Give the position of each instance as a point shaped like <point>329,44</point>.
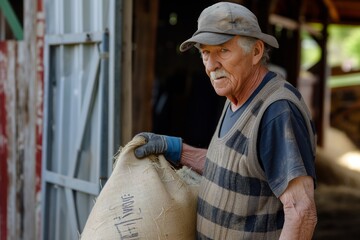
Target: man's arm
<point>299,209</point>
<point>173,149</point>
<point>193,158</point>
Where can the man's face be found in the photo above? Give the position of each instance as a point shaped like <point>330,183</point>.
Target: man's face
<point>228,66</point>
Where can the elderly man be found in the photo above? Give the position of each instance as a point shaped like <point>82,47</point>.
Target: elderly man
<point>258,173</point>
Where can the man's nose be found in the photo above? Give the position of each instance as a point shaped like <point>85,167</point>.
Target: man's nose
<point>212,63</point>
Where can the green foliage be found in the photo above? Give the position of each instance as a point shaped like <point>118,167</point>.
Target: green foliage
<point>352,45</point>
<point>343,47</point>
<point>310,51</point>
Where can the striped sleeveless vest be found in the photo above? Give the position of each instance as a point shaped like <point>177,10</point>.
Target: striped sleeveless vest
<point>235,200</point>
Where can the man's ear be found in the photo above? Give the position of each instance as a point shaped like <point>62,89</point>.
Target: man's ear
<point>258,51</point>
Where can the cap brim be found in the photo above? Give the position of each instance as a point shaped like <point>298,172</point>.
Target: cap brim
<point>206,38</point>
<point>211,38</point>
<point>271,40</point>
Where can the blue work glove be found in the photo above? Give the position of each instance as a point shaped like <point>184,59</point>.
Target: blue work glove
<point>160,144</point>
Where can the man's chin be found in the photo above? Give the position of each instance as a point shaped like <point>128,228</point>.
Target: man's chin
<point>220,91</point>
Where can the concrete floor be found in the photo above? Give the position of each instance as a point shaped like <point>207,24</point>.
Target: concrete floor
<point>338,192</point>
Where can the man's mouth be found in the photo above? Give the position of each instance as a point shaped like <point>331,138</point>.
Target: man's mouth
<point>216,75</point>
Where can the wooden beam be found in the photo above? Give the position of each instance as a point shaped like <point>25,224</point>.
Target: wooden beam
<point>284,22</point>
<point>33,92</point>
<point>321,90</point>
<point>126,73</point>
<point>145,25</point>
<point>12,19</point>
<point>290,24</point>
<point>333,12</point>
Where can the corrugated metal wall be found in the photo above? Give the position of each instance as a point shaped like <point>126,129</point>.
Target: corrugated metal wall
<point>78,117</point>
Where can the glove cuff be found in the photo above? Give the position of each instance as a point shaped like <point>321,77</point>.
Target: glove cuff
<point>174,148</point>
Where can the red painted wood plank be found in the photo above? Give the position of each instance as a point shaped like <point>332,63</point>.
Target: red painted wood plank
<point>4,179</point>
<point>40,24</point>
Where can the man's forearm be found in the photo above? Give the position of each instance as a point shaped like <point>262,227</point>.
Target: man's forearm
<point>299,226</point>
<point>193,158</point>
<point>299,210</point>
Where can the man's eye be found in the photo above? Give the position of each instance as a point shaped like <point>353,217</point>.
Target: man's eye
<point>224,53</point>
<point>204,54</point>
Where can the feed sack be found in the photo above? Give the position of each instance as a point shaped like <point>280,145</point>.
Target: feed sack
<point>144,199</point>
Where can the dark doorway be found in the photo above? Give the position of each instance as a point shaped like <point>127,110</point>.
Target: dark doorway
<point>184,102</point>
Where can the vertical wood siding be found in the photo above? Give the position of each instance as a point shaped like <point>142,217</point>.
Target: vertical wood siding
<point>40,33</point>
<point>21,113</point>
<point>4,153</point>
<point>12,115</point>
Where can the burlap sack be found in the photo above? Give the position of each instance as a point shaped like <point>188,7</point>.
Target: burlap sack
<point>144,199</point>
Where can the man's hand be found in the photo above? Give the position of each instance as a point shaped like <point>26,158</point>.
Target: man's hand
<point>160,144</point>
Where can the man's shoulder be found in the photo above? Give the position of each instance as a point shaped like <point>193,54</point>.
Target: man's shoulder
<point>281,108</point>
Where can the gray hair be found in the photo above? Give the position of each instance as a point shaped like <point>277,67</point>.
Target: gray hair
<point>247,43</point>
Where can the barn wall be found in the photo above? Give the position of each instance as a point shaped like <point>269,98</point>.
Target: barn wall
<point>21,90</point>
<point>11,140</point>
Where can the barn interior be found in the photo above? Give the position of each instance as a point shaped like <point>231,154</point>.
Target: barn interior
<point>181,102</point>
<point>172,95</point>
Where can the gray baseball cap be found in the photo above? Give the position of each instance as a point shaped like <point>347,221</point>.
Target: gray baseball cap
<point>222,21</point>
